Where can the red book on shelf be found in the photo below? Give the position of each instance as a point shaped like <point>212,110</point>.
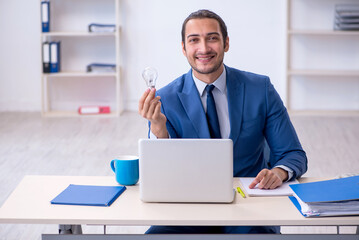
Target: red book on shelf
<point>94,109</point>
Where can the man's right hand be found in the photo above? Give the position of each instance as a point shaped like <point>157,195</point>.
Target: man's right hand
<point>149,107</point>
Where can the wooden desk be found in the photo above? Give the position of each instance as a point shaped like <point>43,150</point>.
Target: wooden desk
<point>30,203</point>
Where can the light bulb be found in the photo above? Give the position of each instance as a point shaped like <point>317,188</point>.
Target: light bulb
<point>149,74</point>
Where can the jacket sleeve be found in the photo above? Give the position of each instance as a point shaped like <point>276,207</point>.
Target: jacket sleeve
<point>281,136</point>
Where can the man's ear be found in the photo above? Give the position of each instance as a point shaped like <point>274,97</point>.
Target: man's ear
<point>183,48</point>
<point>227,45</point>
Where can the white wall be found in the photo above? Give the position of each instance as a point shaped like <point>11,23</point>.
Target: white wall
<point>150,37</point>
<point>20,85</point>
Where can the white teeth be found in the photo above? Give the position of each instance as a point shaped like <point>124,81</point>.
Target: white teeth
<point>204,58</point>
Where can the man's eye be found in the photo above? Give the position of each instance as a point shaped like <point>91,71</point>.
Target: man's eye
<point>214,38</point>
<point>193,40</point>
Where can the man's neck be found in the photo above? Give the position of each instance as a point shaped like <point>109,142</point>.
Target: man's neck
<point>209,78</point>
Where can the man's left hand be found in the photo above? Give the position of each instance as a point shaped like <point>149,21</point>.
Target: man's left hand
<point>269,179</point>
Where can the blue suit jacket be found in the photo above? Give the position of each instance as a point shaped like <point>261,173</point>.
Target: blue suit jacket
<point>256,115</point>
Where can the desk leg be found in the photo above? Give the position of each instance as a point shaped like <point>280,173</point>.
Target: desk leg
<point>70,229</point>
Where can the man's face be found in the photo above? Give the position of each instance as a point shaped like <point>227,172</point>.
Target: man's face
<point>204,48</point>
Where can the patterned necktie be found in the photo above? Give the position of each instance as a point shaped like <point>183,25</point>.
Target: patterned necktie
<point>212,117</point>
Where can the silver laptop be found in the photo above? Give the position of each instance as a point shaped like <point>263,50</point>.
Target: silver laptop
<point>186,170</point>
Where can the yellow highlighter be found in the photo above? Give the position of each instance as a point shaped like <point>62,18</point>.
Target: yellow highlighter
<point>241,192</point>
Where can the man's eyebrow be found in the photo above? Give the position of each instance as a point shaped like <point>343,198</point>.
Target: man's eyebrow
<point>196,35</point>
<point>192,35</point>
<point>211,33</point>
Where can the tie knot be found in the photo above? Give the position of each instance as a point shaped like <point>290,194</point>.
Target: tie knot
<point>209,88</point>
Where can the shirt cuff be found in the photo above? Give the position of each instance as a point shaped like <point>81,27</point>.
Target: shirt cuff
<point>152,136</point>
<point>288,170</point>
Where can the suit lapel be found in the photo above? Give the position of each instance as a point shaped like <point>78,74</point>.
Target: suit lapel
<point>189,98</point>
<point>235,91</point>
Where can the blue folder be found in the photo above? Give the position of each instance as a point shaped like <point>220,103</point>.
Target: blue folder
<point>89,195</point>
<point>342,189</point>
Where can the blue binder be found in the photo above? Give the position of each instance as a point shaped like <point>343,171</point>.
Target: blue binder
<point>337,197</point>
<point>342,189</point>
<point>54,57</point>
<point>89,195</point>
<point>46,57</point>
<point>45,16</point>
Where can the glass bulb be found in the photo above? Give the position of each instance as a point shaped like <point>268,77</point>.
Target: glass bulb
<point>149,74</point>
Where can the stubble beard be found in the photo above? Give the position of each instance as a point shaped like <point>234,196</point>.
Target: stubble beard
<point>208,71</point>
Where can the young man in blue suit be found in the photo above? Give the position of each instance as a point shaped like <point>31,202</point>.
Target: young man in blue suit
<point>248,110</point>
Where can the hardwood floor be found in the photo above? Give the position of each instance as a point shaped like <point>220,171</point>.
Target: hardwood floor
<point>30,144</point>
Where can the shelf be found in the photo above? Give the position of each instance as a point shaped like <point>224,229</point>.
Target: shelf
<point>78,34</point>
<point>80,74</point>
<point>323,32</point>
<point>322,70</point>
<point>76,114</point>
<point>346,73</point>
<point>73,86</point>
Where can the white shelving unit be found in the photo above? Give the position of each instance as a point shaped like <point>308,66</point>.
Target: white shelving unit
<point>320,58</point>
<point>64,92</point>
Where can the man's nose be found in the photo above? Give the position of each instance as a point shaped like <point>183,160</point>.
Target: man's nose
<point>204,47</point>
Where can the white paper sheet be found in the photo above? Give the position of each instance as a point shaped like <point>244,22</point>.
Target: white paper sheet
<point>283,190</point>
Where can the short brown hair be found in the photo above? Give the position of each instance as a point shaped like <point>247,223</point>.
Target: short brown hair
<point>203,13</point>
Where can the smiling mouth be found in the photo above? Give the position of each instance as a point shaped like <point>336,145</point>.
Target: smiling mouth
<point>205,58</point>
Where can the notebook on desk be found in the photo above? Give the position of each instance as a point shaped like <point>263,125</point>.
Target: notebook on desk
<point>186,170</point>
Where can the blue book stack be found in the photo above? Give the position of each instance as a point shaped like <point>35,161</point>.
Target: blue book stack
<point>346,17</point>
<point>96,27</point>
<point>327,198</point>
<point>101,67</point>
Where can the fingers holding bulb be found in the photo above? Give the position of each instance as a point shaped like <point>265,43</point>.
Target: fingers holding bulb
<point>141,102</point>
<point>157,112</point>
<point>148,103</point>
<point>152,108</point>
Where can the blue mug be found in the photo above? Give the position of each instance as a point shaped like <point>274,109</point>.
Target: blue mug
<point>126,169</point>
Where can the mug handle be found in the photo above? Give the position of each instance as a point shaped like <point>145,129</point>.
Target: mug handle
<point>113,165</point>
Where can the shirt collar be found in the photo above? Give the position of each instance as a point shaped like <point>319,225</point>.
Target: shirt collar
<point>220,83</point>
